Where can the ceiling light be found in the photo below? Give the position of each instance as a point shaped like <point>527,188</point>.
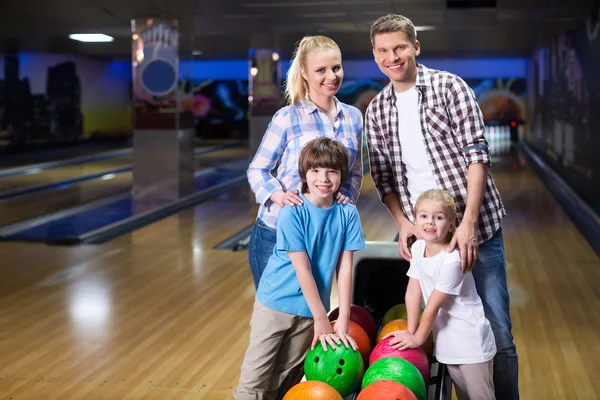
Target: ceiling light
<point>424,28</point>
<point>197,53</point>
<point>91,37</point>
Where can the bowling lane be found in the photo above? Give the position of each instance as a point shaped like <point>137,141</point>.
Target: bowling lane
<point>60,173</point>
<point>36,204</point>
<point>66,172</point>
<point>18,159</point>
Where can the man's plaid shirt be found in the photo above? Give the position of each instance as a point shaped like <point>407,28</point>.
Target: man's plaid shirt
<point>453,128</point>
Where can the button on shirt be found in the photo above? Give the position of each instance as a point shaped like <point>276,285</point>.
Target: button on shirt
<point>291,128</point>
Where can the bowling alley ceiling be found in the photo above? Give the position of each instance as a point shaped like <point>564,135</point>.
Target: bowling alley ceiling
<point>224,29</point>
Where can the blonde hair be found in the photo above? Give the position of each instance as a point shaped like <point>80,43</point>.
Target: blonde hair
<point>394,23</point>
<point>296,86</point>
<point>323,153</point>
<point>443,197</point>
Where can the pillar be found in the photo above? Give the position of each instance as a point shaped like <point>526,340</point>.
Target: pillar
<point>264,76</point>
<point>163,134</point>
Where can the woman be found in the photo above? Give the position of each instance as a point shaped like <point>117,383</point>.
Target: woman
<point>313,111</point>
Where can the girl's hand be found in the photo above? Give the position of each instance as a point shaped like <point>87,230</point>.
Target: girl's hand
<point>402,340</point>
<point>341,330</point>
<point>324,334</point>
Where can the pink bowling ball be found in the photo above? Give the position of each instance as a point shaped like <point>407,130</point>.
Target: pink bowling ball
<point>417,356</point>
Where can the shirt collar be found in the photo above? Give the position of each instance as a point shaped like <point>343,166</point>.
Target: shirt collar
<point>422,81</point>
<point>312,108</point>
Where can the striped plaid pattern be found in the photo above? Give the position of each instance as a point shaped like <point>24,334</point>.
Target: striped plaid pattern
<point>453,132</point>
<point>291,128</point>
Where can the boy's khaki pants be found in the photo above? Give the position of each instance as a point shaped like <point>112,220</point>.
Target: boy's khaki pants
<point>275,354</point>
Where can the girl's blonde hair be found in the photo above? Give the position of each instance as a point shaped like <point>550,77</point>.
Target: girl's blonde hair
<point>296,86</point>
<point>443,197</point>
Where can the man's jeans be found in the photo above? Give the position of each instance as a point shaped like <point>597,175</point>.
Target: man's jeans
<point>490,279</point>
<point>260,248</point>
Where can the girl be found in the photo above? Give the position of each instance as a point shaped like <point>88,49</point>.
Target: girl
<point>314,77</point>
<point>463,336</point>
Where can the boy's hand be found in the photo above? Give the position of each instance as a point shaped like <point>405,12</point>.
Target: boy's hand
<point>341,331</point>
<point>402,340</point>
<point>323,333</point>
<point>342,199</point>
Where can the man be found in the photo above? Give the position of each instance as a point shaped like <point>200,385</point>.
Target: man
<point>425,131</point>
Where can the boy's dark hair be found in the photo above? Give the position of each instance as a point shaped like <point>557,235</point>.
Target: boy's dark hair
<point>323,153</point>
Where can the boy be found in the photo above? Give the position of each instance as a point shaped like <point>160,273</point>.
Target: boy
<point>292,300</point>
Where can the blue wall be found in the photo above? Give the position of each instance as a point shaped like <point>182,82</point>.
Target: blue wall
<point>469,68</point>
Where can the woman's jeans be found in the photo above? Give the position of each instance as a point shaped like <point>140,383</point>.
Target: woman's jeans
<point>490,279</point>
<point>260,248</point>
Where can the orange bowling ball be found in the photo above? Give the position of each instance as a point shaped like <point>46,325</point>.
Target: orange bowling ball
<point>312,390</point>
<point>361,338</point>
<point>395,325</point>
<point>386,390</point>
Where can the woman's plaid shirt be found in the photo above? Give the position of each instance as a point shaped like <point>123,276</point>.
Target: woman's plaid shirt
<point>453,129</point>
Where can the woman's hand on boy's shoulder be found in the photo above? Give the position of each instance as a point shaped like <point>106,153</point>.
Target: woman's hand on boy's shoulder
<point>289,198</point>
<point>343,199</point>
<point>402,340</point>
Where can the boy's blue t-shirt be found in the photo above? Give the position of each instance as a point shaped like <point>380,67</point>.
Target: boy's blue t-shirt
<point>323,234</point>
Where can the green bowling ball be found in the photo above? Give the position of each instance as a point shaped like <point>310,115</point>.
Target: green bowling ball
<point>399,370</point>
<point>396,312</point>
<point>341,368</point>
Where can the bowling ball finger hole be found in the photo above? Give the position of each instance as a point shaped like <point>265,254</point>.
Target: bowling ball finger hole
<point>342,362</point>
<point>316,359</point>
<point>339,371</point>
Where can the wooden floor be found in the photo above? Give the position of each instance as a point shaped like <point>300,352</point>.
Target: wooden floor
<point>159,314</point>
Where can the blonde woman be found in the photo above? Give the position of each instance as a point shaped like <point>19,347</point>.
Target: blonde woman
<point>313,111</point>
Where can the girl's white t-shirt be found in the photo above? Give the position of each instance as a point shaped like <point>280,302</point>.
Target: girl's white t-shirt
<point>462,333</point>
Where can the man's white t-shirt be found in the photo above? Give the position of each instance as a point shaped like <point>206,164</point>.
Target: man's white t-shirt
<point>462,333</point>
<point>419,174</point>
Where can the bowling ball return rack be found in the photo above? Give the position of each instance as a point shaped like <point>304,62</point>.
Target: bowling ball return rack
<point>379,283</point>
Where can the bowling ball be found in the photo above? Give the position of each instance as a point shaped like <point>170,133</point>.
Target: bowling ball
<point>417,356</point>
<point>499,106</point>
<point>386,390</point>
<point>395,325</point>
<point>312,390</point>
<point>341,368</point>
<point>361,338</point>
<point>399,370</point>
<point>362,317</point>
<point>396,312</point>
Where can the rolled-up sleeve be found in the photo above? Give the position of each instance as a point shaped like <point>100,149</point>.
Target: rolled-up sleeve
<point>379,158</point>
<point>467,123</point>
<point>261,180</point>
<point>352,188</point>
